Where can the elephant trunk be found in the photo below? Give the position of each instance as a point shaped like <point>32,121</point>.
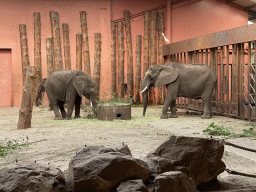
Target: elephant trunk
<point>145,85</point>
<point>145,101</point>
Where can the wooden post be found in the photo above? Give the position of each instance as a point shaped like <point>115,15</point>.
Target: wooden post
<point>97,57</point>
<point>222,82</point>
<point>234,80</point>
<point>66,46</point>
<point>28,97</point>
<point>227,77</point>
<point>79,51</point>
<point>160,52</point>
<point>146,42</point>
<point>85,46</point>
<point>49,56</point>
<point>113,57</point>
<point>138,69</point>
<point>152,49</point>
<point>24,49</point>
<point>130,89</point>
<point>57,56</point>
<point>120,35</point>
<point>37,44</point>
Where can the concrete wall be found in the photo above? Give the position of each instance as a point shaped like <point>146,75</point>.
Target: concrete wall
<point>185,20</point>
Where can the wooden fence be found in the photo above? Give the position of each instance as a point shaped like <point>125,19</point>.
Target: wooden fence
<point>231,55</point>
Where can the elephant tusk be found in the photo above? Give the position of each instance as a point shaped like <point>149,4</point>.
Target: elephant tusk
<point>91,104</point>
<point>144,89</point>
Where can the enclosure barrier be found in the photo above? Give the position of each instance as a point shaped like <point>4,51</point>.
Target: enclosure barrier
<point>231,55</point>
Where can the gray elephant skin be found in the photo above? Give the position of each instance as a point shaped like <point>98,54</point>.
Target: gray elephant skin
<point>69,86</point>
<point>40,90</point>
<point>196,81</point>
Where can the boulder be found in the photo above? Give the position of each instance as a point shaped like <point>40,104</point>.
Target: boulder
<point>100,169</point>
<point>131,186</point>
<point>198,158</point>
<point>174,181</point>
<point>30,178</point>
<point>123,149</point>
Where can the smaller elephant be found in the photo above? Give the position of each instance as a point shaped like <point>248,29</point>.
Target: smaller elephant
<point>195,81</point>
<point>40,90</point>
<point>68,86</point>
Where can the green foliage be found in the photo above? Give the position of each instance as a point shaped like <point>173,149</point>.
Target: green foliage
<point>218,130</point>
<point>90,116</point>
<point>113,100</point>
<point>251,132</point>
<point>11,146</point>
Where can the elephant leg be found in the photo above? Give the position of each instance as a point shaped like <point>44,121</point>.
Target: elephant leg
<point>173,109</point>
<point>207,110</point>
<point>172,90</point>
<point>77,106</point>
<point>70,105</point>
<point>54,106</point>
<point>62,110</point>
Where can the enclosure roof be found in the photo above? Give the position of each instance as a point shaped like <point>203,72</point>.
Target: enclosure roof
<point>249,6</point>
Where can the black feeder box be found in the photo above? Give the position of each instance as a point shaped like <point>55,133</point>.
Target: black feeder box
<point>110,112</point>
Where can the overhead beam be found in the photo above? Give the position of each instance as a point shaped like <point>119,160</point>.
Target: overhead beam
<point>228,37</point>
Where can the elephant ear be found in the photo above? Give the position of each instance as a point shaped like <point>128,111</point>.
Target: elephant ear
<point>166,76</point>
<point>79,83</point>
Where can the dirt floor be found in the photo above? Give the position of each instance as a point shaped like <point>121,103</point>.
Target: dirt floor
<point>54,142</point>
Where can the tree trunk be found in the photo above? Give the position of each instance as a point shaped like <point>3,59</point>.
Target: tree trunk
<point>138,69</point>
<point>130,89</point>
<point>85,49</point>
<point>57,55</point>
<point>24,50</point>
<point>79,51</point>
<point>49,56</point>
<point>28,97</point>
<point>146,42</point>
<point>66,46</point>
<point>97,57</point>
<point>160,53</point>
<point>37,44</point>
<point>120,59</point>
<point>152,50</point>
<point>113,57</point>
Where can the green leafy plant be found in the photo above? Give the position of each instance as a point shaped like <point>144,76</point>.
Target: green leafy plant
<point>11,146</point>
<point>251,132</point>
<point>90,116</point>
<point>218,130</point>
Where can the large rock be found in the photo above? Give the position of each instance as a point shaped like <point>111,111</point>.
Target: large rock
<point>198,158</point>
<point>132,186</point>
<point>31,178</point>
<point>100,169</point>
<point>174,181</point>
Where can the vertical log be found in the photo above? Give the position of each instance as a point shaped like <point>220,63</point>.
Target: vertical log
<point>120,59</point>
<point>86,54</point>
<point>57,56</point>
<point>113,57</point>
<point>249,78</point>
<point>234,80</point>
<point>28,97</point>
<point>24,49</point>
<point>222,84</point>
<point>66,46</point>
<point>97,57</point>
<point>212,63</point>
<point>240,70</point>
<point>138,69</point>
<point>49,56</point>
<point>160,28</point>
<point>130,86</point>
<point>152,49</point>
<point>37,44</point>
<point>146,43</point>
<point>79,51</point>
<point>227,77</point>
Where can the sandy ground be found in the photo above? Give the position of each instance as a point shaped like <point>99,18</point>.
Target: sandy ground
<point>54,142</point>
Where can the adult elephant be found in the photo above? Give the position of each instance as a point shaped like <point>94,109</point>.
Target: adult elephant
<point>195,81</point>
<point>69,86</point>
